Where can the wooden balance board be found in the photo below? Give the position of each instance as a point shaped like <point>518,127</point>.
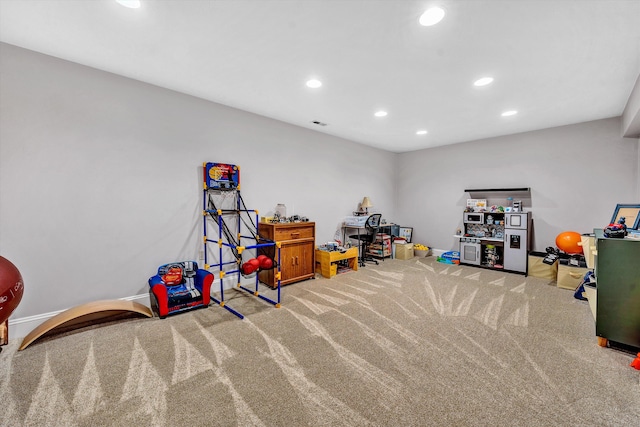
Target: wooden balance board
<point>86,314</point>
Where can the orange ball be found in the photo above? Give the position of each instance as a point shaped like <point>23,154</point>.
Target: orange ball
<point>568,242</point>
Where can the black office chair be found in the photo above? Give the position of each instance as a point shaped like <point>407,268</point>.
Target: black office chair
<point>367,239</point>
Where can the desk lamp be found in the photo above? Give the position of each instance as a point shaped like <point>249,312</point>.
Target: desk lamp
<point>366,204</point>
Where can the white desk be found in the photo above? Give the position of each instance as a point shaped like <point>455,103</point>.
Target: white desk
<point>363,229</point>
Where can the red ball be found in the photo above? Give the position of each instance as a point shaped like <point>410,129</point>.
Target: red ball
<point>250,266</point>
<point>568,242</point>
<point>11,288</point>
<point>247,268</point>
<point>266,263</point>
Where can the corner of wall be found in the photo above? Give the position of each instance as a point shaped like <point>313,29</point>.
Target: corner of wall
<point>631,115</point>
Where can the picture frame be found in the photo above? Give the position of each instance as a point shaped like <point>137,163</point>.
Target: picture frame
<point>405,232</point>
<point>631,212</point>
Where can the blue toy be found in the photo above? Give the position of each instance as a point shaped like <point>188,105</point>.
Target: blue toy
<point>451,257</point>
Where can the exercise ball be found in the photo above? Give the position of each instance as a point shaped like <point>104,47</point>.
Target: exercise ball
<point>568,242</point>
<point>11,288</point>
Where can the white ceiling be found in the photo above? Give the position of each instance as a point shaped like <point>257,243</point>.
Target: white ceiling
<point>557,62</point>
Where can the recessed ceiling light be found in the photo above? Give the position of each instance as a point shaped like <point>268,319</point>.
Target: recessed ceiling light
<point>509,113</point>
<point>421,132</point>
<point>432,16</point>
<point>483,81</point>
<point>380,113</point>
<point>132,4</point>
<point>314,83</point>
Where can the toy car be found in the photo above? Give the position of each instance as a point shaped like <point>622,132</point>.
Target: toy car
<point>617,231</point>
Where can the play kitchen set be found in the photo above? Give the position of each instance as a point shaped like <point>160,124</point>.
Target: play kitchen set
<point>496,229</point>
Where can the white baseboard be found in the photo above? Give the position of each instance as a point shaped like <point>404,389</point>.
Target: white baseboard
<point>21,327</point>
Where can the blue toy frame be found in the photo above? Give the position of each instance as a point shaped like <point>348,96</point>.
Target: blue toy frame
<point>631,212</point>
<point>215,182</point>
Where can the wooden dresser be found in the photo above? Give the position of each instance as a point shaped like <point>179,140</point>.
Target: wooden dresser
<point>297,251</point>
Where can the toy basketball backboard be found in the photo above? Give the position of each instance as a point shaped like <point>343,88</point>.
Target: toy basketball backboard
<point>221,176</point>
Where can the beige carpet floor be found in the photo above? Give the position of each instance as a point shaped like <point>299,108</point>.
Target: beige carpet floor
<point>405,343</point>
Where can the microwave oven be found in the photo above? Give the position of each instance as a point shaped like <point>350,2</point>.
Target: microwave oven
<point>474,218</point>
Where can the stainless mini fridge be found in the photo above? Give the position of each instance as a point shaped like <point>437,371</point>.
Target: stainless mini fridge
<point>517,240</point>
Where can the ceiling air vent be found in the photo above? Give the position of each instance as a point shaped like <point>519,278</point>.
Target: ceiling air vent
<point>315,122</point>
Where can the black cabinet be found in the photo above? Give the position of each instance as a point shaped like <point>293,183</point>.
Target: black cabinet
<point>617,271</point>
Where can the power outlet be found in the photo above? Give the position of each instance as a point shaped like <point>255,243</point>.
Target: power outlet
<point>201,255</point>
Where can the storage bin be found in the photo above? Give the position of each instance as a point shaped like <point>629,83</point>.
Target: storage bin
<point>403,251</point>
<point>570,276</point>
<point>537,268</point>
<point>421,253</point>
<point>588,243</point>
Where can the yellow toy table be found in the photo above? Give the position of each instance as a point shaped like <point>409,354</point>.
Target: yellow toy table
<point>326,262</point>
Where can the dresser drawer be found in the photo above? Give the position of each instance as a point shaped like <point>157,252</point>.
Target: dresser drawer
<point>293,233</point>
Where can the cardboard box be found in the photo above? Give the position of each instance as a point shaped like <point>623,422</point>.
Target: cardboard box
<point>403,251</point>
<point>537,268</point>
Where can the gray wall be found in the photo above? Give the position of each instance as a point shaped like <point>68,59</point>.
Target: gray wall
<point>631,113</point>
<point>100,177</point>
<point>101,182</point>
<point>638,175</point>
<point>577,175</point>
